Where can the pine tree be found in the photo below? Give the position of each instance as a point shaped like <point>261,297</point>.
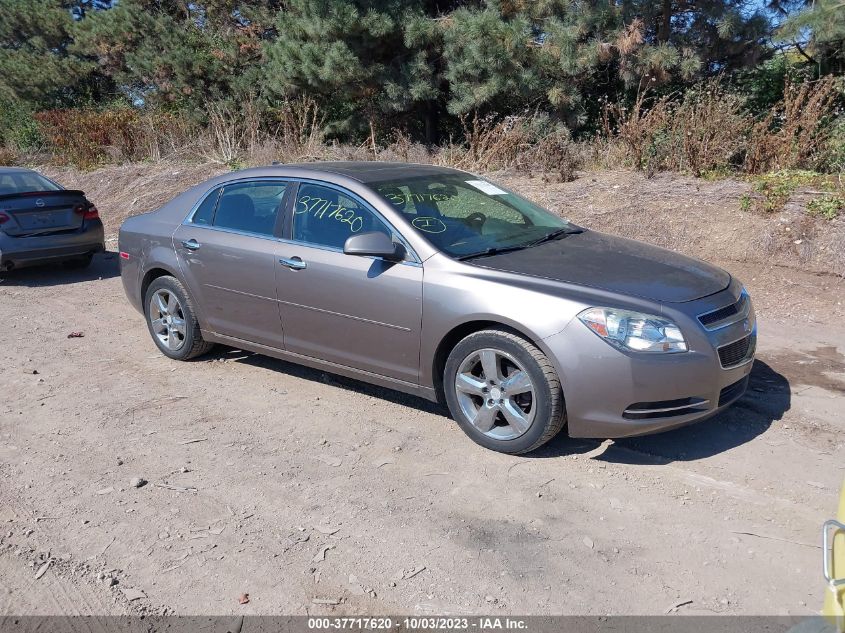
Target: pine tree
<point>36,67</point>
<point>490,61</point>
<point>179,54</point>
<point>361,60</point>
<point>563,55</point>
<point>818,32</point>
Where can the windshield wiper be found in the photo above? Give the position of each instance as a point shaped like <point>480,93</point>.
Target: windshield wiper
<point>493,250</point>
<point>556,235</point>
<point>496,250</point>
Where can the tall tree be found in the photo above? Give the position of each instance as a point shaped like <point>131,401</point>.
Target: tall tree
<point>489,59</point>
<point>36,66</point>
<point>724,34</point>
<point>564,54</point>
<point>818,33</point>
<point>363,60</point>
<point>169,52</point>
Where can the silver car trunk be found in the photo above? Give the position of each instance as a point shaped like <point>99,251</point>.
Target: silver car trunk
<point>42,212</point>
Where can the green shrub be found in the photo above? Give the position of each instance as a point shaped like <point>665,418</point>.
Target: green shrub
<point>773,190</point>
<point>828,206</point>
<point>18,127</point>
<point>835,157</point>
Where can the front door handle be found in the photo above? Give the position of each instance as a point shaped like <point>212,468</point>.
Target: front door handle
<point>294,263</point>
<point>191,244</point>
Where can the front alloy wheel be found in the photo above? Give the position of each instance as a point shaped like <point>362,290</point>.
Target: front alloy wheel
<point>495,394</point>
<point>503,391</point>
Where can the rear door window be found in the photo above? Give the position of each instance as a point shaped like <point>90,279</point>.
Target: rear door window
<point>251,207</point>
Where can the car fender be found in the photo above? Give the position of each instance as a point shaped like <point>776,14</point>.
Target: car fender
<point>438,332</point>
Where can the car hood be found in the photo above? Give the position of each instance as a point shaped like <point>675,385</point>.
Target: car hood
<point>615,264</point>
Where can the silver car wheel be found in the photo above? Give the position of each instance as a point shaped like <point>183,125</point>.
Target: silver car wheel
<point>495,394</point>
<point>167,319</point>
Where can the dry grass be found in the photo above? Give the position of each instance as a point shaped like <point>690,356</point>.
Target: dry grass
<point>637,129</point>
<point>528,143</point>
<point>295,132</point>
<point>8,156</point>
<point>696,135</point>
<point>706,131</point>
<point>797,132</point>
<point>88,138</point>
<point>709,131</point>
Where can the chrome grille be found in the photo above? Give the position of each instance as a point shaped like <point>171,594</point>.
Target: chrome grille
<point>717,317</point>
<point>738,352</point>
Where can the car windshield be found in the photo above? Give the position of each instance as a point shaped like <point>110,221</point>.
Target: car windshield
<point>24,181</point>
<point>464,216</point>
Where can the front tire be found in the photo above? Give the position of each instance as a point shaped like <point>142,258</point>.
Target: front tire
<point>171,320</point>
<point>503,392</point>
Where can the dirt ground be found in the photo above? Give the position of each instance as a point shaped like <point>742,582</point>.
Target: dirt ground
<point>318,494</point>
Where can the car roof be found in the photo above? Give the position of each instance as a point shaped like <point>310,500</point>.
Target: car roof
<point>17,170</point>
<point>370,171</point>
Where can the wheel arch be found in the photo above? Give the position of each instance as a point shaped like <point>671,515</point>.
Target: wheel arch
<point>459,332</point>
<point>150,276</point>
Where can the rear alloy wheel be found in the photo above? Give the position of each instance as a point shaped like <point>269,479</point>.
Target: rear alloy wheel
<point>171,320</point>
<point>503,391</point>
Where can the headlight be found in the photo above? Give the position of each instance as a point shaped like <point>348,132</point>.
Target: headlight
<point>634,331</point>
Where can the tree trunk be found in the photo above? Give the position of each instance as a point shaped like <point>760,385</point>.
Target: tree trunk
<point>666,22</point>
<point>373,137</point>
<point>432,126</point>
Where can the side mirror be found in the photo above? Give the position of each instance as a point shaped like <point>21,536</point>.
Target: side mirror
<point>374,244</point>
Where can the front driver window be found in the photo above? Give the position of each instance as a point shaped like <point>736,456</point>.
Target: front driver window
<point>327,217</point>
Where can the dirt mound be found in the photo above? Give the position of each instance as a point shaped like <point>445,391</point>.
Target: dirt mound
<point>689,215</point>
<point>697,217</point>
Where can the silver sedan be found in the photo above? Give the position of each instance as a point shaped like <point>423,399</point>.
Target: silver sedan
<point>442,284</point>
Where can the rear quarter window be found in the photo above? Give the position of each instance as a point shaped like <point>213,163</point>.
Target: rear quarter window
<point>205,212</point>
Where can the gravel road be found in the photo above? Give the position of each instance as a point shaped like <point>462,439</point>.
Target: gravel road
<point>317,494</point>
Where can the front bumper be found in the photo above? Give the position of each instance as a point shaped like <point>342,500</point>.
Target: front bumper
<point>613,394</point>
<point>16,252</point>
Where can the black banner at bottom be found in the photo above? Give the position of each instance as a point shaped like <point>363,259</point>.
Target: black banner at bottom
<point>426,624</point>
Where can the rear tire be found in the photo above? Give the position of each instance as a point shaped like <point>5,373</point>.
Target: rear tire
<point>503,392</point>
<point>171,320</point>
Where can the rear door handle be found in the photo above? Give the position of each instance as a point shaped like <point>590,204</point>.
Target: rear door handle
<point>191,244</point>
<point>294,263</point>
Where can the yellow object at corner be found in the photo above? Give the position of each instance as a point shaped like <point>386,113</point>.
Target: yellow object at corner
<point>834,601</point>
